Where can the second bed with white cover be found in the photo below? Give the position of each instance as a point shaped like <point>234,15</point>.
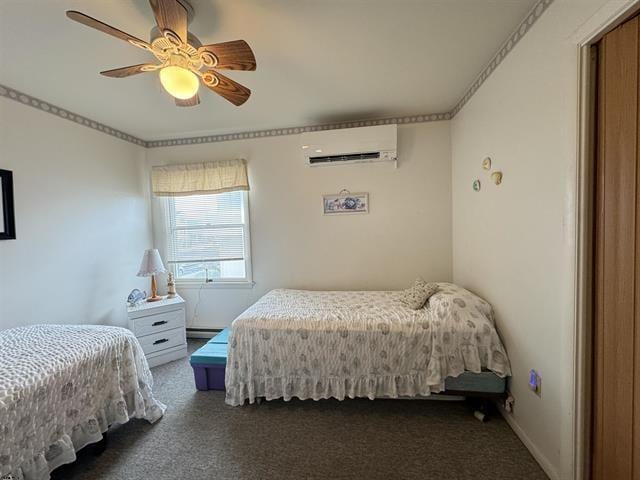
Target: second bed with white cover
<point>310,344</point>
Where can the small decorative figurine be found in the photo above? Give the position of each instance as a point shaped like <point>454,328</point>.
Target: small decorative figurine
<point>496,177</point>
<point>486,163</point>
<point>136,297</point>
<point>476,185</point>
<point>171,286</point>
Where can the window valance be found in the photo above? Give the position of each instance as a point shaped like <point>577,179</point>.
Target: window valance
<point>199,178</point>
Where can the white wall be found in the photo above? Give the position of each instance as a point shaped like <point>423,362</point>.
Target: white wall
<point>82,221</point>
<point>514,244</point>
<point>407,232</point>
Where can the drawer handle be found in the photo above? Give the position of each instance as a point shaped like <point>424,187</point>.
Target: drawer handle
<point>157,342</point>
<point>161,322</point>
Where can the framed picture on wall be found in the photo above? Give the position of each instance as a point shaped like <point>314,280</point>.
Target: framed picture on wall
<point>345,203</point>
<point>7,213</point>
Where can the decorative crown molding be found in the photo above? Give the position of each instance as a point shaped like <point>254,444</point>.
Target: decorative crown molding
<point>276,132</point>
<point>534,14</point>
<point>532,17</point>
<point>47,107</point>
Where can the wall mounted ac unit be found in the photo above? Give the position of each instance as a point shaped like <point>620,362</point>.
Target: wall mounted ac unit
<point>350,145</point>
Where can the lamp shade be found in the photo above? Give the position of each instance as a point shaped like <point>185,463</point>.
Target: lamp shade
<point>151,263</point>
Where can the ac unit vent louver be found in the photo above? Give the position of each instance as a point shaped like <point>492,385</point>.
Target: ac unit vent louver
<point>345,158</point>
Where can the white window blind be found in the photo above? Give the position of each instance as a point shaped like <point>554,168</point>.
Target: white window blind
<point>209,236</point>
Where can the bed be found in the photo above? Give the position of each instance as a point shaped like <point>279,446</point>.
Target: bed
<point>317,345</point>
<point>61,386</point>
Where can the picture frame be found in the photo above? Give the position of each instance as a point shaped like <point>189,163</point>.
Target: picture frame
<point>7,212</point>
<point>345,203</point>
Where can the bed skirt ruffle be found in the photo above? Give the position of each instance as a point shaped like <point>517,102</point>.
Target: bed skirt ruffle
<point>305,388</point>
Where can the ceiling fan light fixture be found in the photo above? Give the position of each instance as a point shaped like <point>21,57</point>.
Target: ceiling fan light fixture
<point>179,82</point>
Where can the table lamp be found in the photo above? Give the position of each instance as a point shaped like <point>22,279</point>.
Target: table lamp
<point>151,264</point>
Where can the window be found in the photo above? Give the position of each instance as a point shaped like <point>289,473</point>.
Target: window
<point>209,237</point>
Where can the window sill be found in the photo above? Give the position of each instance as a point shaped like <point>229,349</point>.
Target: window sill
<point>198,284</point>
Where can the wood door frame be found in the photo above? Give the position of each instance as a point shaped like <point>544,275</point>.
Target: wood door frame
<point>606,20</point>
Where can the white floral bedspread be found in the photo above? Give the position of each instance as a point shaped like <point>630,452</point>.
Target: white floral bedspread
<point>306,344</point>
<point>61,386</point>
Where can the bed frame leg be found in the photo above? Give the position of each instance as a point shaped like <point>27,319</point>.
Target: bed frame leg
<point>98,448</point>
<point>483,410</point>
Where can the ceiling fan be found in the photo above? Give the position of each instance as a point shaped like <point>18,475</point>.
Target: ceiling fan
<point>183,61</point>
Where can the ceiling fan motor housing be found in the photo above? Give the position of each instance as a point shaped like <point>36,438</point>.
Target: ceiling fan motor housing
<point>179,61</point>
<point>155,34</point>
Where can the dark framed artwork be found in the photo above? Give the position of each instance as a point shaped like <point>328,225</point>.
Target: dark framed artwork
<point>7,212</point>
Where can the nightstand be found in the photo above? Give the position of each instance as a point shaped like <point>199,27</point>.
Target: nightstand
<point>160,328</point>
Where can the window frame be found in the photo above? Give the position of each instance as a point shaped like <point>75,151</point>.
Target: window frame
<point>246,282</point>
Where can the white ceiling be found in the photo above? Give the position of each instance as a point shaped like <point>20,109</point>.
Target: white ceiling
<point>319,61</point>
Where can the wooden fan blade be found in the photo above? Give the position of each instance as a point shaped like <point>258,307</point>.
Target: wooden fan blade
<point>126,71</point>
<point>227,88</point>
<point>171,15</point>
<point>189,102</point>
<point>236,55</point>
<point>103,27</point>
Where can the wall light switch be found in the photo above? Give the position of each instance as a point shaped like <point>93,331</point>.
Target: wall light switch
<point>535,382</point>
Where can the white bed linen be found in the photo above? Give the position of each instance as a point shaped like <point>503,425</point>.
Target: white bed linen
<point>307,344</point>
<point>61,386</point>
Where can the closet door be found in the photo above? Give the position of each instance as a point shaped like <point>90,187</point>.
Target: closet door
<point>616,405</point>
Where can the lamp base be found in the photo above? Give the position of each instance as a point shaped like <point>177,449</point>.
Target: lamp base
<point>154,291</point>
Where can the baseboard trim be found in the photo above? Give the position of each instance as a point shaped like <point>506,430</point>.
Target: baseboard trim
<point>202,332</point>
<point>533,449</point>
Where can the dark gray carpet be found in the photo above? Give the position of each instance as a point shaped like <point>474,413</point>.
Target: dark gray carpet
<point>202,438</point>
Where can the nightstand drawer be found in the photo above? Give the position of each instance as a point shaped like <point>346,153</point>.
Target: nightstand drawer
<point>162,340</point>
<point>158,323</point>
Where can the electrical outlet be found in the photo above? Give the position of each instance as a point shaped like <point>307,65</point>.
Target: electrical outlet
<point>535,382</point>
